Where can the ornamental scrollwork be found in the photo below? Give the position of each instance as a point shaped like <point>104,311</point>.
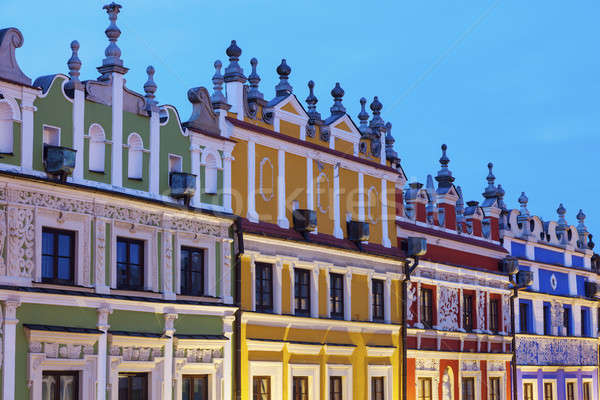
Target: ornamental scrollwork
<point>21,237</point>
<point>556,351</point>
<point>448,314</point>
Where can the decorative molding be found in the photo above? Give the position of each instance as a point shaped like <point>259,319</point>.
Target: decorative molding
<point>448,309</point>
<point>547,351</point>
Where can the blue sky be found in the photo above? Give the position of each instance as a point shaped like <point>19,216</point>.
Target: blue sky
<point>511,82</point>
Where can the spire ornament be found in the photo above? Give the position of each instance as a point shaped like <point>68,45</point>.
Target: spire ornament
<point>312,101</point>
<point>460,210</point>
<point>218,98</point>
<point>283,88</point>
<point>377,123</point>
<point>233,72</point>
<point>444,176</point>
<point>112,62</point>
<point>490,190</point>
<point>150,89</point>
<point>338,108</point>
<point>254,80</point>
<point>74,65</point>
<point>390,153</point>
<point>582,230</point>
<point>363,116</point>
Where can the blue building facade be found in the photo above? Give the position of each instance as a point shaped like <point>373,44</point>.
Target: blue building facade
<point>556,317</point>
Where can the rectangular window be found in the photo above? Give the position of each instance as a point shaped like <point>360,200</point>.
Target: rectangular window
<point>133,386</point>
<point>524,317</point>
<point>495,388</point>
<point>468,312</point>
<point>60,385</point>
<point>494,315</point>
<point>424,389</point>
<point>192,271</point>
<point>585,321</point>
<point>378,302</point>
<point>468,389</point>
<point>587,391</point>
<point>175,163</point>
<point>300,388</point>
<point>336,295</point>
<point>51,135</point>
<point>427,307</point>
<point>130,264</point>
<point>261,387</point>
<point>195,387</point>
<point>302,291</point>
<point>567,321</point>
<point>377,388</point>
<point>335,388</point>
<point>548,392</point>
<point>570,391</point>
<point>547,319</point>
<point>264,287</point>
<point>58,256</point>
<point>528,391</point>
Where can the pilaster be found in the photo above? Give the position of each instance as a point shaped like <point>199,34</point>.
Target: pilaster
<point>10,332</point>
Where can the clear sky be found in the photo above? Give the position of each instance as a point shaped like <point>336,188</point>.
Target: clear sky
<point>507,81</point>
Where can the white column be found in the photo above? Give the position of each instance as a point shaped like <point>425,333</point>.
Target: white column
<point>195,161</point>
<point>370,296</point>
<point>282,220</point>
<point>170,318</point>
<point>27,110</point>
<point>253,280</point>
<point>78,122</point>
<point>385,215</point>
<point>277,287</point>
<point>292,290</point>
<point>347,296</point>
<point>419,324</point>
<point>361,196</point>
<point>10,332</point>
<point>227,356</point>
<point>251,214</point>
<point>117,130</point>
<point>572,283</point>
<point>314,293</point>
<point>101,365</point>
<point>328,291</point>
<point>337,230</point>
<point>154,151</point>
<point>538,310</point>
<point>575,319</point>
<point>536,281</point>
<point>310,204</point>
<point>387,297</point>
<point>227,158</point>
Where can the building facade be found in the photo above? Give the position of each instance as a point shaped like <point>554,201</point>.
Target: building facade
<point>556,317</point>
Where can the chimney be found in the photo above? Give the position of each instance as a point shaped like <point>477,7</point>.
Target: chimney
<point>234,80</point>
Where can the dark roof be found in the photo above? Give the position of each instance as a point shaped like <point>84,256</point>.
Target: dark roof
<point>137,334</point>
<point>203,337</point>
<point>44,82</point>
<point>55,328</point>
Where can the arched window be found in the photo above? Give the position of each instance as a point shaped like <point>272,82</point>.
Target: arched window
<point>210,174</point>
<point>96,156</point>
<point>6,128</point>
<point>135,156</point>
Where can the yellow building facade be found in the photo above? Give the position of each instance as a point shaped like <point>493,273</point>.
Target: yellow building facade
<point>320,308</point>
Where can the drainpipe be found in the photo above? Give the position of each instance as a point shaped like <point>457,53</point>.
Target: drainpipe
<point>238,246</point>
<point>513,342</point>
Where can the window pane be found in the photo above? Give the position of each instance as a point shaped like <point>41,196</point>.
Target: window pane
<point>47,243</point>
<point>67,388</point>
<point>64,269</point>
<point>48,267</point>
<point>138,388</point>
<point>64,245</point>
<point>121,251</point>
<point>48,387</point>
<point>197,261</point>
<point>135,253</point>
<point>136,276</point>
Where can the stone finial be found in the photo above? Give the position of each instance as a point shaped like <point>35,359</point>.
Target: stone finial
<point>490,190</point>
<point>150,88</point>
<point>254,80</point>
<point>10,40</point>
<point>218,98</point>
<point>582,229</point>
<point>523,211</point>
<point>74,62</point>
<point>500,192</point>
<point>390,153</point>
<point>283,88</point>
<point>312,101</point>
<point>233,72</point>
<point>444,176</point>
<point>363,116</point>
<point>112,62</point>
<point>580,218</point>
<point>460,209</point>
<point>337,93</point>
<point>377,122</point>
<point>562,222</point>
<point>430,207</point>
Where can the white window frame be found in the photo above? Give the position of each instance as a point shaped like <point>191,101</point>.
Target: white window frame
<point>58,132</point>
<point>93,142</point>
<point>477,378</point>
<point>554,389</point>
<point>347,277</point>
<point>14,117</point>
<point>502,376</point>
<point>435,379</point>
<point>132,172</point>
<point>77,223</point>
<point>211,369</point>
<point>575,382</point>
<point>387,296</point>
<point>314,287</point>
<point>139,232</point>
<point>277,265</point>
<point>211,173</point>
<point>274,369</point>
<point>591,383</point>
<point>534,383</point>
<point>384,371</point>
<point>310,371</point>
<point>345,371</point>
<point>206,243</point>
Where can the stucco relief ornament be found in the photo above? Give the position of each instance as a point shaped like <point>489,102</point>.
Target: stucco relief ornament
<point>20,241</point>
<point>481,311</point>
<point>100,247</point>
<point>553,282</point>
<point>168,246</point>
<point>448,314</point>
<point>411,298</point>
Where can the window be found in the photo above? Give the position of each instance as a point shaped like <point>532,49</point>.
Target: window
<point>335,388</point>
<point>175,163</point>
<point>135,156</point>
<point>585,321</point>
<point>51,135</point>
<point>130,264</point>
<point>468,389</point>
<point>378,302</point>
<point>336,295</point>
<point>195,387</point>
<point>468,313</point>
<point>567,321</point>
<point>133,386</point>
<point>261,386</point>
<point>302,291</point>
<point>547,319</point>
<point>192,271</point>
<point>427,307</point>
<point>528,391</point>
<point>210,174</point>
<point>495,388</point>
<point>60,385</point>
<point>587,391</point>
<point>58,256</point>
<point>96,156</point>
<point>264,287</point>
<point>6,128</point>
<point>548,392</point>
<point>300,388</point>
<point>494,315</point>
<point>377,388</point>
<point>570,391</point>
<point>424,389</point>
<point>524,317</point>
